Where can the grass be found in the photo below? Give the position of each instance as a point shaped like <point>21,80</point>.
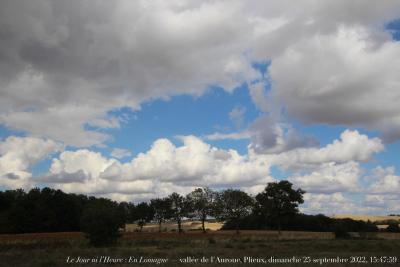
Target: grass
<point>54,249</point>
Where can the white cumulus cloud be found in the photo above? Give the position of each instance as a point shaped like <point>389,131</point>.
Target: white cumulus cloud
<point>164,168</point>
<point>18,154</point>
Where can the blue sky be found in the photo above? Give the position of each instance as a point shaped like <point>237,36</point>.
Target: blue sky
<point>129,107</point>
<point>185,115</point>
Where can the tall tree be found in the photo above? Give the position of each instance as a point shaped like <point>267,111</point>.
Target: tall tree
<point>233,205</point>
<point>143,214</point>
<point>162,210</point>
<point>279,200</point>
<point>127,210</point>
<point>179,208</point>
<point>202,201</point>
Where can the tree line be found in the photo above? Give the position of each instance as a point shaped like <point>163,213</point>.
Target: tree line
<point>276,207</point>
<point>50,210</point>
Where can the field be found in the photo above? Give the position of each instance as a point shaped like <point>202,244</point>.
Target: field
<point>172,226</point>
<point>60,249</point>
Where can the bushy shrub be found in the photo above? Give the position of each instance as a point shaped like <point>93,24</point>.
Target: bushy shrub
<point>101,221</point>
<point>250,222</point>
<point>341,231</point>
<point>301,222</point>
<point>393,228</point>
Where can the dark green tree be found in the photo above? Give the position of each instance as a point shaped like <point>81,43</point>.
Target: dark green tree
<point>179,208</point>
<point>279,200</point>
<point>143,214</point>
<point>162,210</point>
<point>100,221</point>
<point>233,205</point>
<point>127,209</point>
<point>202,202</point>
<point>12,213</point>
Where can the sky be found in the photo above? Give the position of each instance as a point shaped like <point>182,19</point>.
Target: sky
<point>133,100</point>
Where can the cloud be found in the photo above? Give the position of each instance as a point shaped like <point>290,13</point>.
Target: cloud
<point>91,163</point>
<point>329,169</point>
<point>64,123</point>
<point>258,95</point>
<point>164,168</point>
<point>63,177</point>
<point>330,79</point>
<point>237,116</point>
<point>80,172</point>
<point>328,204</point>
<point>307,19</point>
<point>120,153</point>
<point>167,168</point>
<point>11,176</point>
<point>340,204</point>
<point>234,136</point>
<point>352,146</point>
<point>75,62</point>
<point>268,137</point>
<point>388,203</point>
<point>66,67</point>
<point>193,163</point>
<point>330,178</point>
<point>385,181</point>
<point>336,204</point>
<point>18,154</point>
